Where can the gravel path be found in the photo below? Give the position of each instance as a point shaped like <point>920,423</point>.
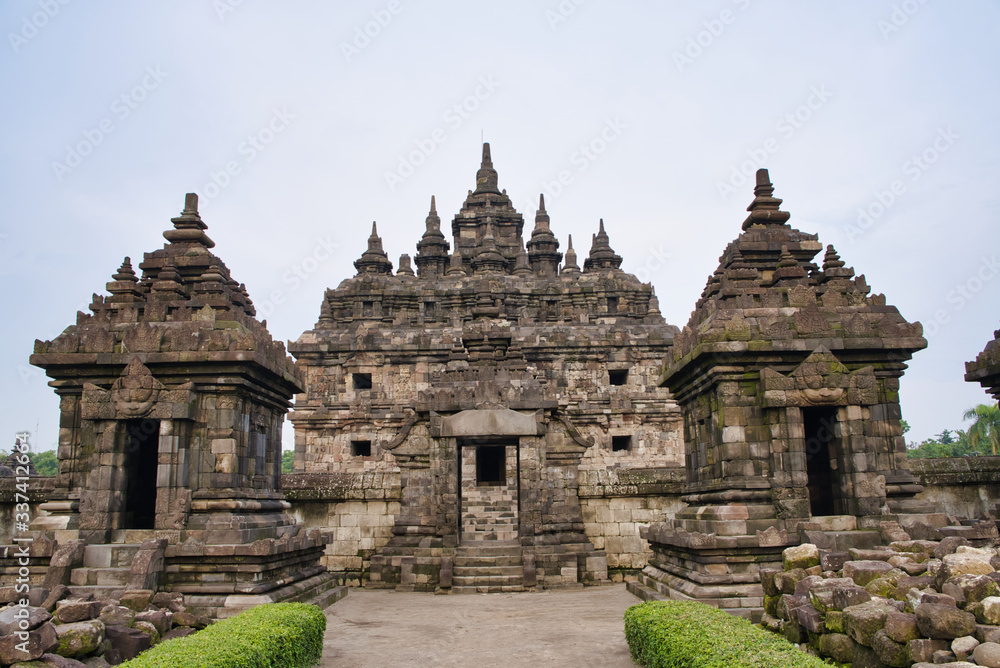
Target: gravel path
<point>550,628</point>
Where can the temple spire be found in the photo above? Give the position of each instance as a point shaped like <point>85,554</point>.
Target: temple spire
<point>189,227</point>
<point>570,268</point>
<point>432,249</point>
<point>543,247</point>
<point>486,177</point>
<point>765,208</point>
<point>601,254</point>
<point>374,260</point>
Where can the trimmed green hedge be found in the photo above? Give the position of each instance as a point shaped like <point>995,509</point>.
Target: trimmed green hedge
<point>275,635</point>
<point>688,634</point>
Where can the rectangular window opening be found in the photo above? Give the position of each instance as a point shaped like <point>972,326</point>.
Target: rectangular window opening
<point>612,304</point>
<point>618,376</point>
<point>491,465</point>
<point>362,381</point>
<point>361,448</point>
<point>620,443</point>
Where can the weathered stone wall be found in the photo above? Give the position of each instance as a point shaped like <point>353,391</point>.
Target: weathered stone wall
<point>38,490</point>
<point>965,487</point>
<point>360,509</point>
<point>616,502</point>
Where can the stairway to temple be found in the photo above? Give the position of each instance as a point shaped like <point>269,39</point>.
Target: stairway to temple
<point>105,571</point>
<point>489,560</point>
<point>487,567</point>
<point>489,515</point>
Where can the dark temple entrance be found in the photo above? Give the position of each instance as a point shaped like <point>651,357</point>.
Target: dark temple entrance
<point>141,445</point>
<point>821,453</point>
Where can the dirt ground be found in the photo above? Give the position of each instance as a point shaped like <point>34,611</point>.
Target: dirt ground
<point>576,628</point>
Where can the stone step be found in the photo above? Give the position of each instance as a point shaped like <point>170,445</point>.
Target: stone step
<point>99,592</point>
<point>104,577</point>
<point>841,541</point>
<point>490,549</point>
<point>643,592</point>
<point>487,561</point>
<point>487,589</point>
<point>488,571</point>
<point>487,580</point>
<point>132,536</point>
<point>111,555</point>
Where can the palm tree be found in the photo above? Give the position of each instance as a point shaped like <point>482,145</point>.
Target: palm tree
<point>986,425</point>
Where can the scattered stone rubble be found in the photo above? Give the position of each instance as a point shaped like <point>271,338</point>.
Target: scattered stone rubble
<point>912,602</point>
<point>67,631</point>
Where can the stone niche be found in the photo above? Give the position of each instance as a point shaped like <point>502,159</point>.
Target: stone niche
<point>787,375</point>
<point>480,389</point>
<point>172,398</point>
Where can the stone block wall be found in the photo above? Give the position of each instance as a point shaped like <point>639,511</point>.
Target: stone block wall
<point>964,487</point>
<point>612,524</point>
<point>360,509</point>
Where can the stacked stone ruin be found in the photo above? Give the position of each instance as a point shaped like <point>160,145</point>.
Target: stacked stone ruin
<point>899,603</point>
<point>483,390</point>
<point>172,398</point>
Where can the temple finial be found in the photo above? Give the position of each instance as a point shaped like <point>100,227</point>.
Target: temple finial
<point>570,268</point>
<point>601,254</point>
<point>765,207</point>
<point>541,202</point>
<point>486,177</point>
<point>189,228</point>
<point>433,205</point>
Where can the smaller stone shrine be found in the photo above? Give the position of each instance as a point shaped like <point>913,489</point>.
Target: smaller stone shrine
<point>985,369</point>
<point>172,397</point>
<point>787,375</point>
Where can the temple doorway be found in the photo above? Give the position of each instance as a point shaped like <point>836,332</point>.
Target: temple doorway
<point>821,449</point>
<point>488,484</point>
<point>141,443</point>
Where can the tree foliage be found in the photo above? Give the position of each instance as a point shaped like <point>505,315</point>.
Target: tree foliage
<point>982,438</point>
<point>287,461</point>
<point>985,429</point>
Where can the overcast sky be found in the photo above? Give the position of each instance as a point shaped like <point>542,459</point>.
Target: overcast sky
<point>300,122</point>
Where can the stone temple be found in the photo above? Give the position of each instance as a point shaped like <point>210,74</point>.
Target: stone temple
<point>487,416</point>
<point>485,385</point>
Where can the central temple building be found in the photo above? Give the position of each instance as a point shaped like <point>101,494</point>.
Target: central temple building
<point>499,405</point>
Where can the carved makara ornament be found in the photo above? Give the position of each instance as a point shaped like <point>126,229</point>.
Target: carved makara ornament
<point>136,391</point>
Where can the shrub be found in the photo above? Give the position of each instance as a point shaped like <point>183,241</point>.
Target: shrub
<point>688,634</point>
<point>276,635</point>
